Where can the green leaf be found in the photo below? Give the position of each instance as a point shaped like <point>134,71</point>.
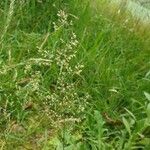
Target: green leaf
<point>127,125</point>
<point>148,112</point>
<point>98,118</point>
<point>147,95</point>
<point>140,125</point>
<point>130,113</point>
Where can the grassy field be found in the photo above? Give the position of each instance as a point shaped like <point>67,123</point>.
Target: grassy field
<point>74,75</point>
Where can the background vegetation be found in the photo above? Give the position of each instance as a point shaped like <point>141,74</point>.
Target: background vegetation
<point>74,75</point>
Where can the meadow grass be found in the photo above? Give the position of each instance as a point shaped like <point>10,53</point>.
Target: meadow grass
<point>74,75</point>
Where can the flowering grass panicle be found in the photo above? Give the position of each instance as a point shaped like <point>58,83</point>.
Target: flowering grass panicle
<point>64,99</point>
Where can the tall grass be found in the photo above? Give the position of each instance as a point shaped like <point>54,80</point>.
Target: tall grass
<point>73,75</point>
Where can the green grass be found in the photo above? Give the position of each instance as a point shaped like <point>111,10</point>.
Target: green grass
<point>45,105</point>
